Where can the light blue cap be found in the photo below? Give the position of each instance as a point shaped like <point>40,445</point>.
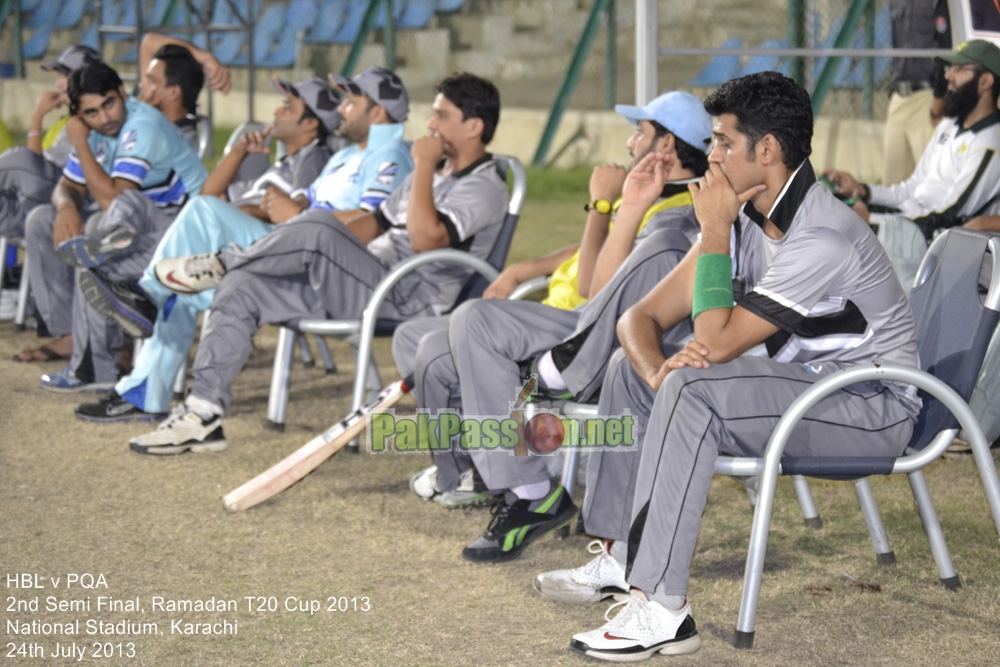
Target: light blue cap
<point>681,113</point>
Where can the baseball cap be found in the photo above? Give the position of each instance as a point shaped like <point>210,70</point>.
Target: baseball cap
<point>681,113</point>
<point>977,51</point>
<point>72,59</point>
<point>381,85</point>
<point>317,96</point>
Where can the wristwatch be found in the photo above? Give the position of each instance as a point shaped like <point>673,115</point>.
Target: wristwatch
<point>602,206</point>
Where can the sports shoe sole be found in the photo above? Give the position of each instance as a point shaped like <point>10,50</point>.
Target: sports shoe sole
<point>167,450</point>
<point>100,297</point>
<point>675,647</point>
<point>568,597</point>
<point>89,251</point>
<point>515,553</point>
<point>122,419</point>
<point>90,386</point>
<point>454,500</point>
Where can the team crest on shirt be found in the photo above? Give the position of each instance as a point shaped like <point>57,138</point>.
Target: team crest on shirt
<point>962,148</point>
<point>128,141</point>
<point>386,173</point>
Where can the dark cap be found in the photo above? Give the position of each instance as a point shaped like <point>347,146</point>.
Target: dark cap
<point>72,59</point>
<point>977,51</point>
<point>381,85</point>
<point>316,95</point>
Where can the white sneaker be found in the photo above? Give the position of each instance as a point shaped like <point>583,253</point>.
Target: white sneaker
<point>191,274</point>
<point>641,629</point>
<point>182,431</point>
<point>424,483</point>
<point>601,578</point>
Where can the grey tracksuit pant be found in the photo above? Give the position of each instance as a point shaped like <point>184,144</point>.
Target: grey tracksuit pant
<point>26,182</point>
<point>488,339</point>
<point>312,267</point>
<point>654,497</point>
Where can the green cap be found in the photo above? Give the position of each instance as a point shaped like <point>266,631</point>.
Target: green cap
<point>977,51</point>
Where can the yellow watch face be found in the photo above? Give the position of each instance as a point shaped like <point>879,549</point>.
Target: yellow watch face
<point>603,206</point>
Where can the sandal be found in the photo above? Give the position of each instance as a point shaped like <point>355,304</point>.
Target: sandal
<point>43,353</point>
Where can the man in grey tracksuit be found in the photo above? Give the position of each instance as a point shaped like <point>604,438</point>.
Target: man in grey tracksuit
<point>810,280</point>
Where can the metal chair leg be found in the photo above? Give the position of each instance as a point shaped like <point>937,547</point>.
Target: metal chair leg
<point>929,517</point>
<point>24,294</point>
<point>277,400</point>
<point>324,351</point>
<point>810,515</point>
<point>876,529</point>
<point>307,357</point>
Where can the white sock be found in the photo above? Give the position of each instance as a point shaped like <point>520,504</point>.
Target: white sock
<point>202,407</point>
<point>531,491</point>
<point>548,373</point>
<point>619,551</point>
<point>671,602</point>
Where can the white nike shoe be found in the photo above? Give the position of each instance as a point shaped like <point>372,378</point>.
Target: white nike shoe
<point>182,431</point>
<point>424,483</point>
<point>641,629</point>
<point>601,578</point>
<point>192,274</point>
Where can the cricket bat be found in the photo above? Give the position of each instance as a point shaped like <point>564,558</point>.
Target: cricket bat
<point>307,458</point>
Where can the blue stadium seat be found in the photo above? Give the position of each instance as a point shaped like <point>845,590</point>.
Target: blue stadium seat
<point>266,32</point>
<point>351,23</point>
<point>300,17</point>
<point>38,43</point>
<point>719,69</point>
<point>72,12</point>
<point>44,15</point>
<point>445,6</point>
<point>330,17</point>
<point>417,14</point>
<point>397,11</point>
<point>766,63</point>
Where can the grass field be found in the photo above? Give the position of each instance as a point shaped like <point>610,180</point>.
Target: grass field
<point>385,567</point>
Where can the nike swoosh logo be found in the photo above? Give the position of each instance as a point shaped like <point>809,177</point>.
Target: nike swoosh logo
<point>119,409</point>
<point>170,279</point>
<point>608,635</point>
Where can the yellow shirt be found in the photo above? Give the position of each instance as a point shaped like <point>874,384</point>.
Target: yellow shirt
<point>564,287</point>
<point>53,133</point>
<point>5,140</point>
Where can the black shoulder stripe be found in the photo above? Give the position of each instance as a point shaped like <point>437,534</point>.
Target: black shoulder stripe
<point>454,240</point>
<point>381,220</point>
<point>850,320</point>
<point>949,217</point>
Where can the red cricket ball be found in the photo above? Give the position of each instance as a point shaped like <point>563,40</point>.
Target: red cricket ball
<point>544,433</point>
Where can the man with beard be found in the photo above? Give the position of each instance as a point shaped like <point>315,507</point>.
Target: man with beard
<point>958,177</point>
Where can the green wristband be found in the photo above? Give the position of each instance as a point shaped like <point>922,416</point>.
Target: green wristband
<point>713,283</point>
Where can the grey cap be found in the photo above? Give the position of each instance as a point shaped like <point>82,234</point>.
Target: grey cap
<point>318,96</point>
<point>72,59</point>
<point>381,85</point>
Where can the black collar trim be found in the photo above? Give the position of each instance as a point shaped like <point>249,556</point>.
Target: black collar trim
<point>992,119</point>
<point>471,168</point>
<point>673,189</point>
<point>789,200</point>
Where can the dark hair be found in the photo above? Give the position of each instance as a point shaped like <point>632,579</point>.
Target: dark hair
<point>691,158</point>
<point>321,132</point>
<point>476,97</point>
<point>94,78</point>
<point>181,69</point>
<point>768,103</point>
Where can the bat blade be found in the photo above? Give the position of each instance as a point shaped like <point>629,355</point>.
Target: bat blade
<point>307,458</point>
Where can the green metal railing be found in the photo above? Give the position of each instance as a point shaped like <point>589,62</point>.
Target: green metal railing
<point>367,25</point>
<point>601,8</point>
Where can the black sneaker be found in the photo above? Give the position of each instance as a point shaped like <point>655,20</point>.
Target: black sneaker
<point>122,301</point>
<point>114,408</point>
<point>518,523</point>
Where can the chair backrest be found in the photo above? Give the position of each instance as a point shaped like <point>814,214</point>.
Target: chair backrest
<point>956,314</point>
<point>477,284</point>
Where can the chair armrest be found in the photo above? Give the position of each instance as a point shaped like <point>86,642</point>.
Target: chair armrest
<point>530,287</point>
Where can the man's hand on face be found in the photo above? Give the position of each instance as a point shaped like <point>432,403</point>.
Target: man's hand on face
<point>49,100</point>
<point>716,202</point>
<point>256,142</point>
<point>645,182</point>
<point>606,181</point>
<point>77,132</point>
<point>427,150</point>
